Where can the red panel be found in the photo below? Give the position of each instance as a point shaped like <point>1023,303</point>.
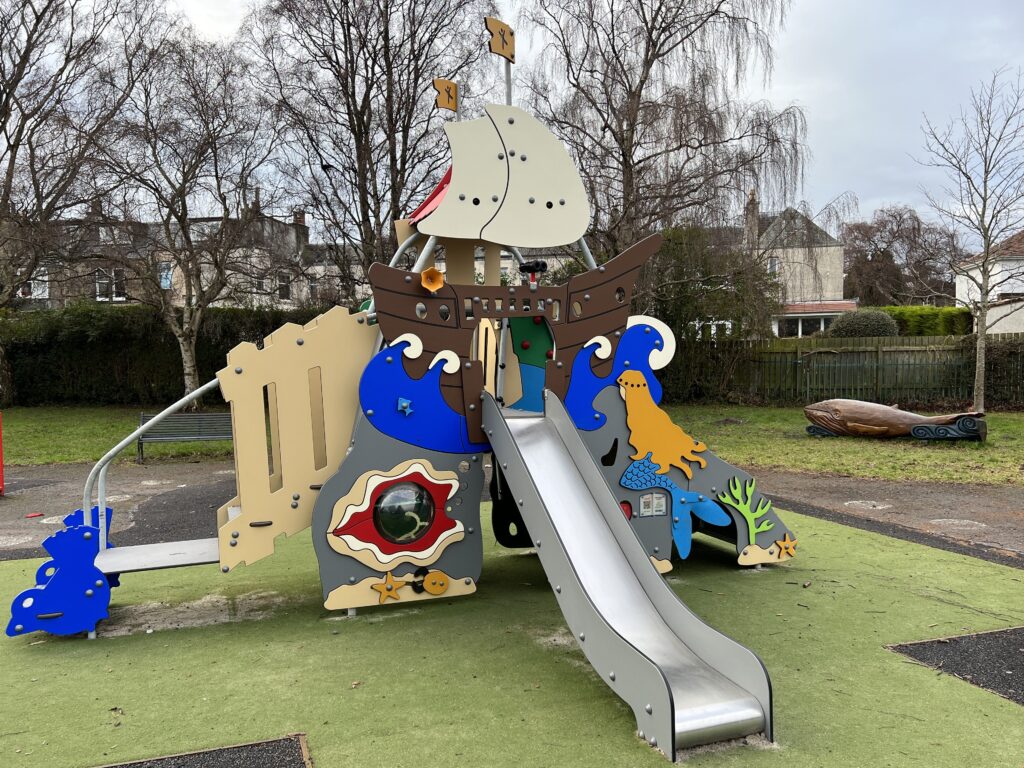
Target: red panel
<point>361,526</point>
<point>433,199</point>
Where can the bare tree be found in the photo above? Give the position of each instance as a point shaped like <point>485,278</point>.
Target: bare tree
<point>898,258</point>
<point>189,163</point>
<point>981,154</point>
<point>352,80</point>
<point>644,94</point>
<point>66,70</point>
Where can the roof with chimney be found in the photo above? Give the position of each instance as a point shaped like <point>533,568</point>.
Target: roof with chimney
<point>792,229</point>
<point>788,228</point>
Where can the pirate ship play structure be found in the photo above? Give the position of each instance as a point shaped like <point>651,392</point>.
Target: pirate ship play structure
<point>381,450</point>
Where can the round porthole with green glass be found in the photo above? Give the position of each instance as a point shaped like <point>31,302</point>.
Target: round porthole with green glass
<point>403,513</point>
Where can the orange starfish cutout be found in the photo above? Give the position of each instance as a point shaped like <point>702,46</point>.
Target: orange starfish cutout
<point>388,588</point>
<point>787,546</point>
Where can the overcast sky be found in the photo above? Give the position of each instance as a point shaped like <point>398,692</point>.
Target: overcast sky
<point>863,70</point>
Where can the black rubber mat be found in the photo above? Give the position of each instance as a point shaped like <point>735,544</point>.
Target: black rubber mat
<point>289,752</point>
<point>991,660</point>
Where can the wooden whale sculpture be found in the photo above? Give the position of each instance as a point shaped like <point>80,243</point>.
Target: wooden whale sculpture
<point>862,419</point>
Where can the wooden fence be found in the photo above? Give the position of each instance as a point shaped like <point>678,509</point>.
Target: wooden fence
<point>915,371</point>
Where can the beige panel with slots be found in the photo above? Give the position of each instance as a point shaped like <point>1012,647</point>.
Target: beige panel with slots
<point>479,176</point>
<point>546,204</point>
<point>293,405</point>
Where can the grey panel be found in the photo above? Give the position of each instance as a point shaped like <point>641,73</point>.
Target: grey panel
<point>151,557</point>
<point>712,481</point>
<point>654,532</point>
<point>686,683</point>
<point>373,450</point>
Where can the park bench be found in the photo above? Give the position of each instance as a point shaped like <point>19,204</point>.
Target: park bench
<point>184,427</point>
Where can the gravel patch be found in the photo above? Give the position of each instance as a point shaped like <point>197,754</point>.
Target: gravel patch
<point>289,752</point>
<point>990,660</point>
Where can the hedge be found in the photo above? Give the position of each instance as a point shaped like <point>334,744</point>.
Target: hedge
<point>863,323</point>
<point>107,355</point>
<point>931,321</point>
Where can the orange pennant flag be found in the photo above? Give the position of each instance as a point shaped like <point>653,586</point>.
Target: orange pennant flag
<point>447,94</point>
<point>503,39</point>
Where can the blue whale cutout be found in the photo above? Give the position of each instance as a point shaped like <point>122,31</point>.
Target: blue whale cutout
<point>632,353</point>
<point>412,410</point>
<point>642,476</point>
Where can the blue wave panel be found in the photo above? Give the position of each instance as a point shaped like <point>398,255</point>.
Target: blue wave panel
<point>412,410</point>
<point>71,594</point>
<point>632,353</point>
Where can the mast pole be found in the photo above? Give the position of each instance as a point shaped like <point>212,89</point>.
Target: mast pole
<point>503,43</point>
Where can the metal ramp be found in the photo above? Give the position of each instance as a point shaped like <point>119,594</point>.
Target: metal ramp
<point>686,683</point>
<point>152,557</point>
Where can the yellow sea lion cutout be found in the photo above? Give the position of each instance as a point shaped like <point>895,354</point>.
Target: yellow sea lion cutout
<point>652,431</point>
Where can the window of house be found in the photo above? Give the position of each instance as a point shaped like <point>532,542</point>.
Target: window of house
<point>810,325</point>
<point>112,234</point>
<point>284,287</point>
<point>314,290</point>
<point>773,264</point>
<point>204,230</point>
<point>38,287</point>
<point>789,326</point>
<point>110,285</point>
<point>826,322</point>
<point>165,273</point>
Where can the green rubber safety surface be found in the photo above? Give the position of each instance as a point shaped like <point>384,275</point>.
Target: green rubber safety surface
<point>495,679</point>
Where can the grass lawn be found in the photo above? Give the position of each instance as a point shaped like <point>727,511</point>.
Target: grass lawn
<point>776,438</point>
<point>62,435</point>
<point>750,436</point>
<point>494,679</point>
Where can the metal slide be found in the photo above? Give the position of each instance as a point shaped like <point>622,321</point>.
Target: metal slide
<point>686,683</point>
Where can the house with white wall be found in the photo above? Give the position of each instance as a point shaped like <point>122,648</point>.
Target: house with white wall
<point>808,262</point>
<point>1006,285</point>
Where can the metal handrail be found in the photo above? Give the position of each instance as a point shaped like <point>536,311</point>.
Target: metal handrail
<point>587,255</point>
<point>98,475</point>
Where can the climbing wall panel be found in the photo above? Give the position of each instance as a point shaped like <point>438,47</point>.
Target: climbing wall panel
<point>293,404</point>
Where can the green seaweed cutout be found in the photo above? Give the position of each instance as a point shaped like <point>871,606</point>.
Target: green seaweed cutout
<point>739,497</point>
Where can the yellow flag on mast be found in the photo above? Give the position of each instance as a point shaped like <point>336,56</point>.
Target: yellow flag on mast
<point>447,94</point>
<point>503,38</point>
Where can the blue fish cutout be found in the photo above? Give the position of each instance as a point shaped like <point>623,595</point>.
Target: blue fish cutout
<point>642,475</point>
<point>633,353</point>
<point>431,424</point>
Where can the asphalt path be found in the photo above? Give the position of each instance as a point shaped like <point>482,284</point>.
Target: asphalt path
<point>172,501</point>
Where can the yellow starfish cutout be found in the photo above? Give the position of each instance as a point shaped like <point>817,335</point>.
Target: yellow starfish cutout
<point>388,588</point>
<point>787,546</point>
